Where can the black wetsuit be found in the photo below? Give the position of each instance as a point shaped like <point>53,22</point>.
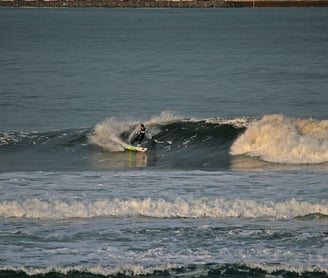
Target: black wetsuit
<point>140,136</point>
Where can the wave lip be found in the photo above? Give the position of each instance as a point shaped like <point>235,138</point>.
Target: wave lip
<point>281,139</point>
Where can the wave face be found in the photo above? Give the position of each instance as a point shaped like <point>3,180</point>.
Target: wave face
<point>274,141</point>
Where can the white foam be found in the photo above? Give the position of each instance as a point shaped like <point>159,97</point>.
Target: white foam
<point>160,208</point>
<point>138,270</point>
<point>281,267</point>
<point>281,139</point>
<point>128,270</point>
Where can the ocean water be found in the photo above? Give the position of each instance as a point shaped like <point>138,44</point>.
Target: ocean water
<point>235,184</point>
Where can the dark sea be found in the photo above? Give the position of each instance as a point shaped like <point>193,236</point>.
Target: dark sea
<point>236,182</point>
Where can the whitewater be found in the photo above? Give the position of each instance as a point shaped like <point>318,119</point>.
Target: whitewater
<point>280,139</point>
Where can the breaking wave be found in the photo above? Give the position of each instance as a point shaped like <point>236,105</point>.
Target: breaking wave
<point>160,208</point>
<point>180,143</point>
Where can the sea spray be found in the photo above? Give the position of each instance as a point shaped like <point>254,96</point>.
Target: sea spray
<point>107,134</point>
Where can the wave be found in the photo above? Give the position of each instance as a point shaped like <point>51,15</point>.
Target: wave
<point>281,139</point>
<point>273,138</point>
<point>170,270</point>
<point>182,143</point>
<point>160,208</point>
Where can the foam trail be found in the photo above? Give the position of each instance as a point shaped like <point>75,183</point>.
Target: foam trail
<point>281,139</point>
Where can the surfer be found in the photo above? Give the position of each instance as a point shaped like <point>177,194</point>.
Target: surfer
<point>139,134</point>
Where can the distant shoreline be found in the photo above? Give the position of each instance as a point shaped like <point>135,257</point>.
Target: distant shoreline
<point>163,4</point>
